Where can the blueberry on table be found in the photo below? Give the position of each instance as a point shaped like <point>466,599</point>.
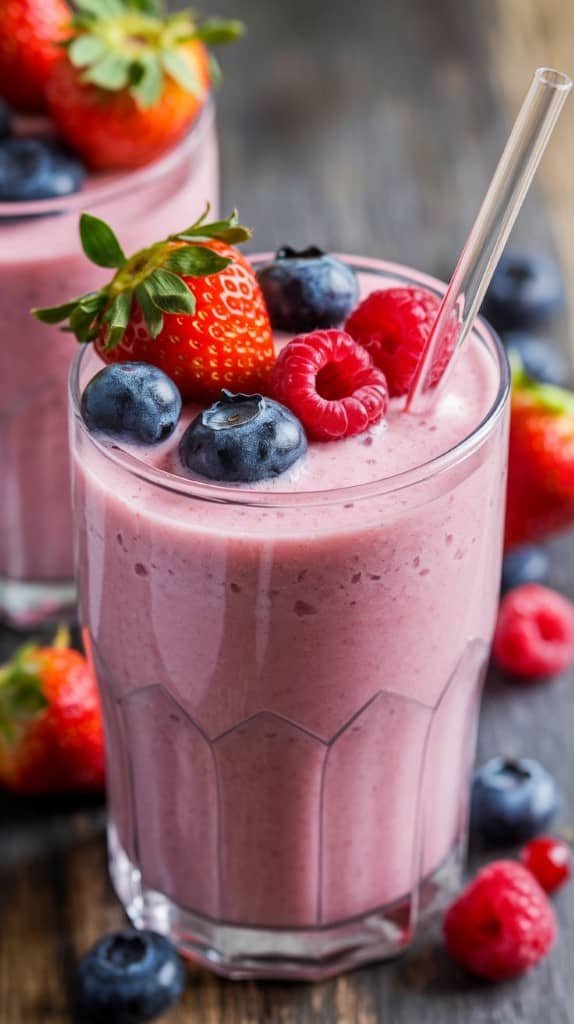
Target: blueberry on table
<point>5,120</point>
<point>33,169</point>
<point>243,438</point>
<point>526,564</point>
<point>132,402</point>
<point>308,289</point>
<point>512,800</point>
<point>526,290</point>
<point>129,977</point>
<point>540,359</point>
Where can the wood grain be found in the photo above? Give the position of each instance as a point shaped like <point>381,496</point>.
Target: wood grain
<point>374,128</point>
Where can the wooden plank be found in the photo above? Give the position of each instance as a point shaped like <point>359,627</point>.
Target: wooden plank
<point>372,128</point>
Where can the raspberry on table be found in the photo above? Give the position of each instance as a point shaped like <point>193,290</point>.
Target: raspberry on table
<point>394,325</point>
<point>331,384</point>
<point>549,859</point>
<point>534,636</point>
<point>502,924</point>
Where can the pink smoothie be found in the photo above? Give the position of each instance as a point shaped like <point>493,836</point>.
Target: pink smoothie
<point>41,264</point>
<point>291,672</point>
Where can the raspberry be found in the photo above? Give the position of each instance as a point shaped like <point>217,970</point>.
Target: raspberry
<point>502,924</point>
<point>331,384</point>
<point>534,635</point>
<point>550,861</point>
<point>393,326</point>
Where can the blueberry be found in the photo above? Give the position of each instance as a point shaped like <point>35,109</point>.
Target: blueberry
<point>541,360</point>
<point>307,290</point>
<point>5,120</point>
<point>37,169</point>
<point>512,800</point>
<point>526,564</point>
<point>526,289</point>
<point>132,402</point>
<point>243,438</point>
<point>129,977</point>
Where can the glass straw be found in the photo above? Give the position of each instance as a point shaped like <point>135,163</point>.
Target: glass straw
<point>489,233</point>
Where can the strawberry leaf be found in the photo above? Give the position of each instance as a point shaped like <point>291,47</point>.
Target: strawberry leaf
<point>196,261</point>
<point>56,314</point>
<point>117,318</point>
<point>220,31</point>
<point>152,315</point>
<point>85,50</point>
<point>148,85</point>
<point>112,72</point>
<point>177,68</point>
<point>229,230</point>
<point>21,694</point>
<point>169,293</point>
<point>100,9</point>
<point>215,72</point>
<point>100,243</point>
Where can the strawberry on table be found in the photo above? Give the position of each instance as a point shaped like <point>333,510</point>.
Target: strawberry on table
<point>190,305</point>
<point>29,33</point>
<point>132,80</point>
<point>51,736</point>
<point>541,463</point>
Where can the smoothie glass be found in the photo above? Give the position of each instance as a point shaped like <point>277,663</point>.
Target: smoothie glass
<point>291,685</point>
<point>41,263</point>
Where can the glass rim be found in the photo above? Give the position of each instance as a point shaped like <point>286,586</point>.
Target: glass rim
<point>118,184</point>
<point>221,494</point>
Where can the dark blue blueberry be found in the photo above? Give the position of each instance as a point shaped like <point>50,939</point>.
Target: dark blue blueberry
<point>307,290</point>
<point>526,564</point>
<point>128,978</point>
<point>512,800</point>
<point>5,120</point>
<point>37,169</point>
<point>243,438</point>
<point>133,402</point>
<point>526,290</point>
<point>541,359</point>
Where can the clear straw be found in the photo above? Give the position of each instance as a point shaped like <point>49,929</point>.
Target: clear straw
<point>489,233</point>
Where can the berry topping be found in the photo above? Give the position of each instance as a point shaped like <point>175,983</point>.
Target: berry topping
<point>540,359</point>
<point>526,564</point>
<point>512,800</point>
<point>30,34</point>
<point>502,924</point>
<point>307,290</point>
<point>132,80</point>
<point>5,121</point>
<point>394,326</point>
<point>190,305</point>
<point>534,636</point>
<point>550,861</point>
<point>132,402</point>
<point>331,384</point>
<point>243,438</point>
<point>37,169</point>
<point>51,735</point>
<point>129,977</point>
<point>526,290</point>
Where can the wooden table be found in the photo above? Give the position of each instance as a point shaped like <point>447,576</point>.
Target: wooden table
<point>372,127</point>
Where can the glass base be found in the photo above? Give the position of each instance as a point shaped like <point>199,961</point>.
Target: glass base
<point>25,605</point>
<point>303,954</point>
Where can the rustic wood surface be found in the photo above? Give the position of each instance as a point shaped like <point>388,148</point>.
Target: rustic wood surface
<point>371,127</point>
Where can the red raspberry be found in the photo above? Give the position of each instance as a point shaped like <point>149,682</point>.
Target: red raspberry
<point>550,861</point>
<point>331,384</point>
<point>534,635</point>
<point>394,325</point>
<point>502,924</point>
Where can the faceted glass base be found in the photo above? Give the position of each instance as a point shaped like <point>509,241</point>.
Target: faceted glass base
<point>297,954</point>
<point>25,605</point>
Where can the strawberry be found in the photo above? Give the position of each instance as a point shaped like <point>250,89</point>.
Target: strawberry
<point>190,305</point>
<point>29,32</point>
<point>131,80</point>
<point>51,736</point>
<point>541,463</point>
